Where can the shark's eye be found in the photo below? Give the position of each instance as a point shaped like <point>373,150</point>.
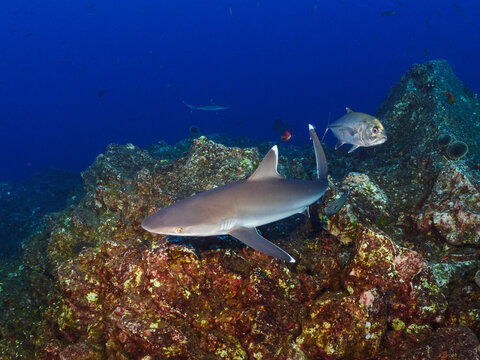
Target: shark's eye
<point>375,129</point>
<point>178,230</point>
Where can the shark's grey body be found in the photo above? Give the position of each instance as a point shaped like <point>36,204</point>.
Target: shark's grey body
<point>238,208</point>
<point>209,107</point>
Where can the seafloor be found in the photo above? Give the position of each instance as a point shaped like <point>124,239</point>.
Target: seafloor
<point>392,277</point>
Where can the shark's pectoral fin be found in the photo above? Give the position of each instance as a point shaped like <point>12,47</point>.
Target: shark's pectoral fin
<point>353,148</point>
<point>252,238</point>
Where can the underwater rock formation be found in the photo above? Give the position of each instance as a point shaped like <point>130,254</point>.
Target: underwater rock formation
<point>452,208</point>
<point>393,277</point>
<point>23,205</point>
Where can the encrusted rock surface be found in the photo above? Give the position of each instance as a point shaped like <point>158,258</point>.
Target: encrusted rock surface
<point>390,278</point>
<point>453,207</point>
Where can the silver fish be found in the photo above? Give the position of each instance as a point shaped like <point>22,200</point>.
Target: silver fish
<point>237,208</point>
<point>358,129</point>
<point>210,107</point>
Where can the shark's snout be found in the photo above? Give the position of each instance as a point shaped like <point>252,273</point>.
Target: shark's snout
<point>147,223</point>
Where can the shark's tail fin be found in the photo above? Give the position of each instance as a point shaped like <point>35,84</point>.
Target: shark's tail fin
<point>191,107</point>
<point>322,169</point>
<point>328,124</point>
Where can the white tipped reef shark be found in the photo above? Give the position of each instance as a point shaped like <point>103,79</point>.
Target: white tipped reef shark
<point>237,208</point>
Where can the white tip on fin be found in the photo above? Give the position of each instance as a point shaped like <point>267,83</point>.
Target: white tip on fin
<point>275,148</point>
<point>268,166</point>
<point>348,110</point>
<point>311,127</point>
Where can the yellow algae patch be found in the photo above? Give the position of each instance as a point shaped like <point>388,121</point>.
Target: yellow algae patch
<point>138,275</point>
<point>226,352</point>
<point>398,324</point>
<point>187,293</point>
<point>92,297</point>
<point>330,349</point>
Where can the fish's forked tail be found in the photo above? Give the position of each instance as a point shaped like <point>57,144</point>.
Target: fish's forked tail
<point>191,107</point>
<point>322,168</point>
<point>328,124</point>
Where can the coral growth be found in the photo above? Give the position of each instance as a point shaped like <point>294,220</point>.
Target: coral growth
<point>392,277</point>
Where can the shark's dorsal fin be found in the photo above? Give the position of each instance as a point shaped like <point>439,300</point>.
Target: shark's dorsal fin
<point>348,110</point>
<point>268,166</point>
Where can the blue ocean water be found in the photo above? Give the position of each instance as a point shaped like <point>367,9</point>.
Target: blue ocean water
<point>75,76</point>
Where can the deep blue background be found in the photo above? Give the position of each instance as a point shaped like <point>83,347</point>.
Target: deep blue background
<point>297,60</point>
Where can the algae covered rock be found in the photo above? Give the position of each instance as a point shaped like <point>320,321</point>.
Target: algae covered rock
<point>401,275</point>
<point>452,209</point>
<point>416,112</point>
<point>445,343</point>
<point>344,326</point>
<point>392,277</point>
<point>367,205</point>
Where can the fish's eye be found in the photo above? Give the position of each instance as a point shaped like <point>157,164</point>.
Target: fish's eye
<point>375,129</point>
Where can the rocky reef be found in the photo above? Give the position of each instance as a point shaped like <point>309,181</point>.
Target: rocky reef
<point>391,276</point>
<point>23,205</point>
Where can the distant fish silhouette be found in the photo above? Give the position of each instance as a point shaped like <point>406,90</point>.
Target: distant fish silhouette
<point>388,13</point>
<point>211,107</point>
<point>459,10</point>
<point>101,93</point>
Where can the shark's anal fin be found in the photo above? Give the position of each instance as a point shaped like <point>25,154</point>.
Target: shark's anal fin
<point>268,166</point>
<point>252,238</point>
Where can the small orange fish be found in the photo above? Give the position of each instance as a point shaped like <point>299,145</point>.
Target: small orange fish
<point>286,136</point>
<point>449,97</point>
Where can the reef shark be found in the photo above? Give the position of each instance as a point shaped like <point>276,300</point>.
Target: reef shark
<point>237,208</point>
<point>210,107</point>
